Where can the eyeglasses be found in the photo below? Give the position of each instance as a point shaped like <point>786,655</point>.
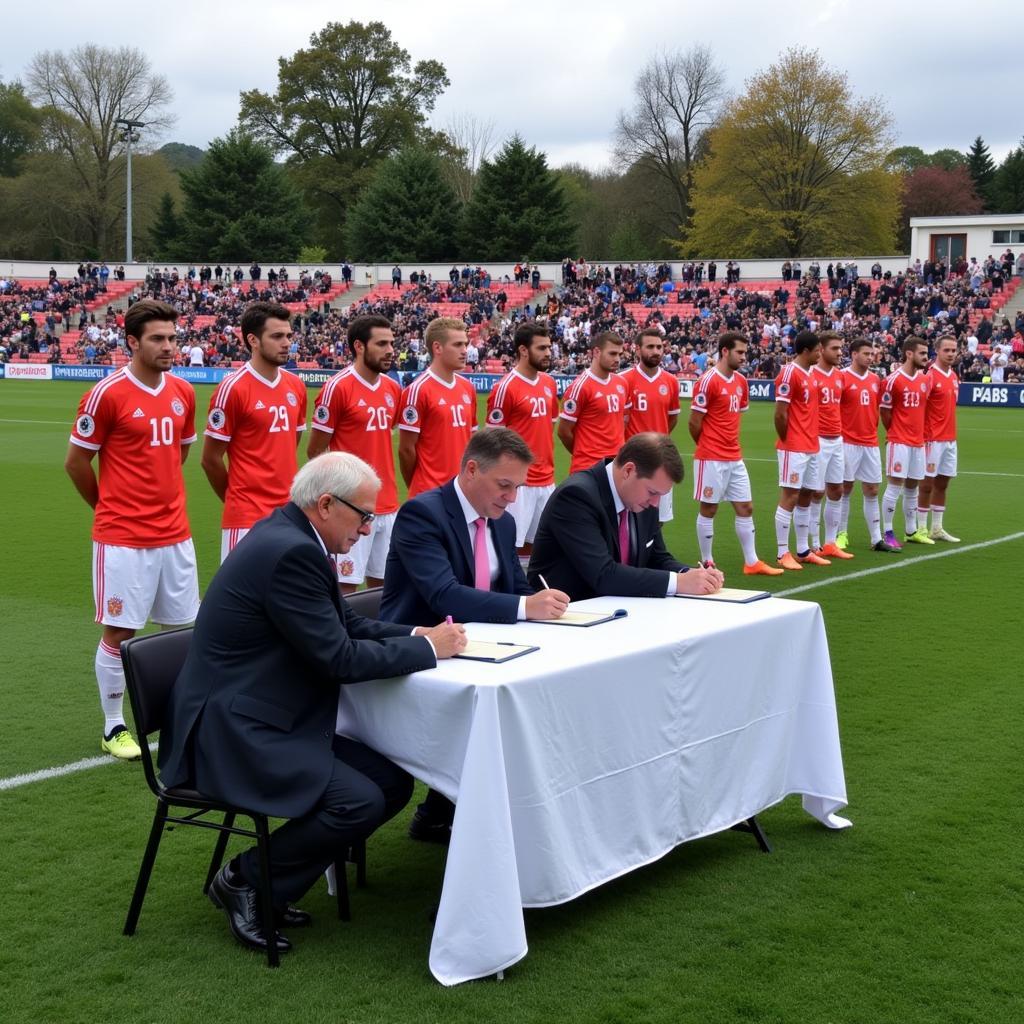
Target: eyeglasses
<point>365,517</point>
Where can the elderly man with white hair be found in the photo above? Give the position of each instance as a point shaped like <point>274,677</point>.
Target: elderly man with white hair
<point>251,717</point>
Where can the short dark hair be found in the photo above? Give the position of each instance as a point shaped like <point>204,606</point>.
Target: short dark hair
<point>362,327</point>
<point>525,333</point>
<point>730,339</point>
<point>825,336</point>
<point>910,342</point>
<point>649,332</point>
<point>805,341</point>
<point>860,342</point>
<point>146,311</point>
<point>650,452</point>
<point>256,315</point>
<point>604,339</point>
<point>490,444</point>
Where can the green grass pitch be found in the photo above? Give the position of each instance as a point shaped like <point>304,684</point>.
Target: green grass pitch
<point>914,915</point>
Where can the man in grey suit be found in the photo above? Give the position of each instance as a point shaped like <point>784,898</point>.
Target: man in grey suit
<point>251,717</point>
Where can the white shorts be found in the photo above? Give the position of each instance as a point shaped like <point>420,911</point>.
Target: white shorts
<point>229,540</point>
<point>715,482</point>
<point>940,458</point>
<point>369,554</point>
<point>799,470</point>
<point>665,508</point>
<point>862,462</point>
<point>134,585</point>
<point>526,510</point>
<point>830,460</point>
<point>903,462</point>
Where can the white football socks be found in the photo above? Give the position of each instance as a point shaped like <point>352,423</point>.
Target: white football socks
<point>801,520</point>
<point>871,517</point>
<point>910,509</point>
<point>833,513</point>
<point>889,500</point>
<point>745,533</point>
<point>705,536</point>
<point>782,523</point>
<point>110,680</point>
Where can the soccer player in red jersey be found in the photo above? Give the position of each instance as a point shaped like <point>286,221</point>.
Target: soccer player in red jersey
<point>830,447</point>
<point>438,414</point>
<point>653,397</point>
<point>858,411</point>
<point>796,423</point>
<point>903,404</point>
<point>257,415</point>
<point>720,398</point>
<point>939,439</point>
<point>526,401</point>
<point>141,420</point>
<point>355,412</point>
<point>593,422</point>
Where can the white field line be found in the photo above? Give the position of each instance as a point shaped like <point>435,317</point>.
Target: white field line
<point>15,781</point>
<point>902,564</point>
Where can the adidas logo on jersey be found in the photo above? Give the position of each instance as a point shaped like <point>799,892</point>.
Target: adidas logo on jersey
<point>260,405</point>
<point>361,403</point>
<point>138,414</point>
<point>442,402</point>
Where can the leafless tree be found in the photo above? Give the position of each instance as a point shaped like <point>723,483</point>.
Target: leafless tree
<point>678,96</point>
<point>471,141</point>
<point>84,92</point>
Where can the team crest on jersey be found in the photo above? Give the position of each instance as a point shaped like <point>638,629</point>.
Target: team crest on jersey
<point>662,390</point>
<point>700,399</point>
<point>321,414</point>
<point>547,391</point>
<point>570,405</point>
<point>923,387</point>
<point>85,426</point>
<point>708,492</point>
<point>784,390</point>
<point>291,399</point>
<point>495,416</point>
<point>409,414</point>
<point>390,401</point>
<point>931,467</point>
<point>621,390</point>
<point>346,567</point>
<point>465,399</point>
<point>897,467</point>
<point>794,478</point>
<point>115,605</point>
<point>216,418</point>
<point>178,407</point>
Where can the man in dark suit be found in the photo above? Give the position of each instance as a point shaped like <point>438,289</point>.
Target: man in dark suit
<point>599,533</point>
<point>251,717</point>
<point>453,552</point>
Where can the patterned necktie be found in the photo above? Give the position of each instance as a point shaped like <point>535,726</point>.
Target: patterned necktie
<point>624,537</point>
<point>482,565</point>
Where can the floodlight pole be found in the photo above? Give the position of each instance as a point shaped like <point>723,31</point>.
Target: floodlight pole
<point>129,137</point>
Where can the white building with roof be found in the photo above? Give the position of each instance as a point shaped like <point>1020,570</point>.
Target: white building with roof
<point>980,235</point>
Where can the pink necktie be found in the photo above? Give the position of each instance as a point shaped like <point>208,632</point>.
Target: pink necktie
<point>624,537</point>
<point>482,565</point>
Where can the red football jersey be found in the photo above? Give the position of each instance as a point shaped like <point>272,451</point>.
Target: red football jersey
<point>859,408</point>
<point>360,417</point>
<point>653,400</point>
<point>721,400</point>
<point>907,397</point>
<point>940,410</point>
<point>830,393</point>
<point>261,422</point>
<point>799,388</point>
<point>444,415</point>
<point>528,407</point>
<point>598,408</point>
<point>138,432</point>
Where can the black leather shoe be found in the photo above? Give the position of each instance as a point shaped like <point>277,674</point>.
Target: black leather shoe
<point>292,917</point>
<point>240,902</point>
<point>427,831</point>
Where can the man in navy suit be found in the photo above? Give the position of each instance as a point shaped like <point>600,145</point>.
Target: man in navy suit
<point>453,552</point>
<point>251,717</point>
<point>599,533</point>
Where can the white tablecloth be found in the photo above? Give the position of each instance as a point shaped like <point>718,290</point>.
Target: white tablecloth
<point>603,751</point>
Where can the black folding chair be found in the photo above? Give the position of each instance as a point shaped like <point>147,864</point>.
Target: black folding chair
<point>151,666</point>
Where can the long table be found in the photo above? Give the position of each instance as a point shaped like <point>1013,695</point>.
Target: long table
<point>604,750</point>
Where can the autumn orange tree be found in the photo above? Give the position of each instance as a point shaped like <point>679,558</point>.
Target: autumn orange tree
<point>797,166</point>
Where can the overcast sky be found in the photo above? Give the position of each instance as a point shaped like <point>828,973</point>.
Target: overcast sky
<point>948,71</point>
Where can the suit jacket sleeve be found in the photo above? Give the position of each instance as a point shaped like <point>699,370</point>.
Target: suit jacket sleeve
<point>659,557</point>
<point>361,628</point>
<point>299,604</point>
<point>575,520</point>
<point>422,546</point>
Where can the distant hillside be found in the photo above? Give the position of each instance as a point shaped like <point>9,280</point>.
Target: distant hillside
<point>180,156</point>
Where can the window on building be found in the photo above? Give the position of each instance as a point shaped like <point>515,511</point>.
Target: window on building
<point>1014,237</point>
